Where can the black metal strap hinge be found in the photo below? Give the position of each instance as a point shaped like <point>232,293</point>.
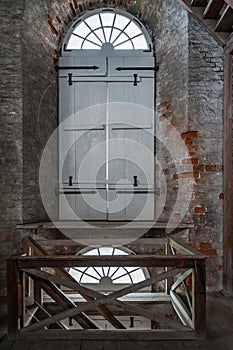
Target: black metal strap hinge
<point>70,82</point>
<point>77,67</point>
<point>156,68</point>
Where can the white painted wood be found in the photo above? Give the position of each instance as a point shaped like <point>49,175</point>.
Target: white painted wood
<point>110,137</point>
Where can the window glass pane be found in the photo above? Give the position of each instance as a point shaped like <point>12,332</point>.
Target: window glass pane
<point>106,250</point>
<point>125,46</point>
<point>106,271</point>
<point>122,279</point>
<point>111,271</point>
<point>88,279</point>
<point>99,33</point>
<point>115,34</point>
<point>107,19</point>
<point>92,252</point>
<point>132,30</point>
<point>121,22</point>
<point>74,43</point>
<point>93,22</point>
<point>119,252</point>
<point>140,43</point>
<point>76,274</point>
<point>137,276</point>
<point>82,30</point>
<point>92,272</point>
<point>120,40</point>
<point>107,33</point>
<point>118,273</point>
<point>90,46</point>
<point>93,38</point>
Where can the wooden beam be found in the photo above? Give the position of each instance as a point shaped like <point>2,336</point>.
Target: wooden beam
<point>71,243</point>
<point>101,301</point>
<point>201,3</point>
<point>13,301</point>
<point>184,248</point>
<point>226,21</point>
<point>60,324</point>
<point>90,295</point>
<point>199,299</point>
<point>109,334</point>
<point>209,23</point>
<point>182,278</point>
<point>229,2</point>
<point>213,8</point>
<point>181,309</point>
<point>30,314</point>
<point>163,321</point>
<point>97,224</point>
<point>57,295</point>
<point>179,261</point>
<point>64,274</point>
<point>121,304</point>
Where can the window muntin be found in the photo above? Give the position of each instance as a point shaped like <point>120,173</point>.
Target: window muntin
<point>123,33</point>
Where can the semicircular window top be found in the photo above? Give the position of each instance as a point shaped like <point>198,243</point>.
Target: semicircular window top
<point>108,278</point>
<point>108,28</point>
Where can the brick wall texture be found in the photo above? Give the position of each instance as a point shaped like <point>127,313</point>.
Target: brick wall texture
<point>189,95</point>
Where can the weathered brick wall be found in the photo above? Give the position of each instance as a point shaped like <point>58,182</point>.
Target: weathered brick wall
<point>189,96</point>
<point>171,48</point>
<point>206,124</point>
<point>11,14</point>
<point>39,102</point>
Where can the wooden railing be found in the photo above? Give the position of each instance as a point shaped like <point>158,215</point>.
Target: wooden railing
<point>30,278</point>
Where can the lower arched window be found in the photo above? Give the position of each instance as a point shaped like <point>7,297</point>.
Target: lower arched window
<point>109,278</point>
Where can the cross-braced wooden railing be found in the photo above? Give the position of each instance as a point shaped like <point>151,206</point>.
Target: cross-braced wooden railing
<point>182,270</point>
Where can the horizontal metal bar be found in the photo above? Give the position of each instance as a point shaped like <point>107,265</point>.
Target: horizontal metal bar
<point>133,191</point>
<point>129,79</point>
<point>78,192</point>
<point>156,68</point>
<point>83,127</point>
<point>77,67</point>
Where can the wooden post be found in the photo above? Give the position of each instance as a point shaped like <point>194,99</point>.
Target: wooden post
<point>12,296</point>
<point>169,281</point>
<point>228,171</point>
<point>22,298</point>
<point>199,299</point>
<point>38,293</point>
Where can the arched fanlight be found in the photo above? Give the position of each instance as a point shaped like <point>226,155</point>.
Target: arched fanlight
<point>94,31</point>
<point>113,275</point>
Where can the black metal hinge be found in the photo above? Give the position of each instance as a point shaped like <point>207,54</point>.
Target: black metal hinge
<point>156,68</point>
<point>77,67</point>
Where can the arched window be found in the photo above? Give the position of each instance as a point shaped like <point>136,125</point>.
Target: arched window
<point>106,114</point>
<point>95,30</point>
<point>108,278</point>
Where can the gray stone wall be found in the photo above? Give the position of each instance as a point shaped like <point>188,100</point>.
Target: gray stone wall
<point>171,49</point>
<point>206,118</point>
<point>39,102</point>
<point>11,116</point>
